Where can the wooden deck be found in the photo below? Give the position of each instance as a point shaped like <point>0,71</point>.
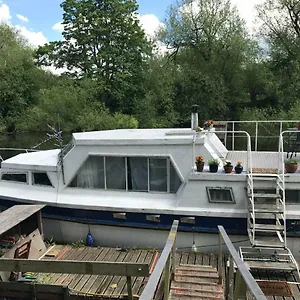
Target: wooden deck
<point>112,285</point>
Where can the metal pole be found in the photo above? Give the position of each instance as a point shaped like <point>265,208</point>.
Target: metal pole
<point>256,135</point>
<point>232,142</point>
<point>167,278</point>
<point>220,259</point>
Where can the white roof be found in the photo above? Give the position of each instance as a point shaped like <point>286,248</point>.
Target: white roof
<point>135,136</point>
<point>39,161</point>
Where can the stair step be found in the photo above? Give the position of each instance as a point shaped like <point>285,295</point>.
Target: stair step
<point>195,275</point>
<point>267,227</point>
<point>179,296</point>
<point>201,270</point>
<point>262,195</point>
<point>268,243</point>
<point>263,265</point>
<point>196,266</point>
<point>267,208</point>
<point>207,290</point>
<point>202,282</point>
<point>264,178</point>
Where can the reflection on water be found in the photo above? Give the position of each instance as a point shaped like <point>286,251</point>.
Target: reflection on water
<point>28,140</point>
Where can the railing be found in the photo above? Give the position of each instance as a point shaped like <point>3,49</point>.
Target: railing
<point>165,263</point>
<point>233,125</point>
<point>244,282</point>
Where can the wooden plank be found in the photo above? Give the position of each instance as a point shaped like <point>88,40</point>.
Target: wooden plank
<point>92,278</point>
<point>74,267</point>
<point>16,214</point>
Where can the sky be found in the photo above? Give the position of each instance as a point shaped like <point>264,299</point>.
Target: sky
<point>39,20</point>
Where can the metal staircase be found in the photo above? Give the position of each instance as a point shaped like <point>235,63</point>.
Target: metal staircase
<point>266,223</point>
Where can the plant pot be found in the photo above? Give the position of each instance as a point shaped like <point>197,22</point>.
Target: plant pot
<point>228,169</point>
<point>213,168</point>
<point>238,169</point>
<point>200,167</point>
<point>291,168</point>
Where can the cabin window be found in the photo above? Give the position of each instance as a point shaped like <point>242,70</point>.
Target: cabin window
<point>158,174</point>
<point>91,174</point>
<point>115,173</point>
<point>41,179</point>
<point>137,170</point>
<point>142,174</point>
<point>292,196</point>
<point>220,195</point>
<point>18,177</point>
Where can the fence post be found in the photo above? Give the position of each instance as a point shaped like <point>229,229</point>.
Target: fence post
<point>220,258</point>
<point>167,278</point>
<point>240,288</point>
<point>129,288</point>
<point>232,142</point>
<point>256,135</point>
<point>231,278</point>
<point>173,259</point>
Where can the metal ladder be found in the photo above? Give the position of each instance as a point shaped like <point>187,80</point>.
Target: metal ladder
<point>266,225</point>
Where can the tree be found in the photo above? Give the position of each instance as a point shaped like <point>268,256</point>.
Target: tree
<point>103,41</point>
<point>210,46</point>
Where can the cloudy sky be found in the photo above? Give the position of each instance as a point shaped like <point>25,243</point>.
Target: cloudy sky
<point>39,20</point>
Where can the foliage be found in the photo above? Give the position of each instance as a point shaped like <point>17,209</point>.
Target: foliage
<point>291,161</point>
<point>103,41</point>
<point>227,163</point>
<point>199,160</point>
<point>239,163</point>
<point>213,162</point>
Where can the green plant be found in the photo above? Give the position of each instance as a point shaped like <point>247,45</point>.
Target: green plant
<point>78,244</point>
<point>199,160</point>
<point>227,163</point>
<point>213,162</point>
<point>291,161</point>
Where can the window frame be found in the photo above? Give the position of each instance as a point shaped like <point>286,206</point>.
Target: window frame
<point>16,172</point>
<point>210,200</point>
<point>169,161</point>
<point>37,184</point>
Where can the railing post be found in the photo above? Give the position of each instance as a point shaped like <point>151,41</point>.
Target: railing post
<point>256,135</point>
<point>240,288</point>
<point>129,288</point>
<point>173,259</point>
<point>220,258</point>
<point>232,142</point>
<point>231,278</point>
<point>167,278</point>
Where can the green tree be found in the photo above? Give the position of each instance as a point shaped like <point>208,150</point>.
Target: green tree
<point>103,41</point>
<point>210,48</point>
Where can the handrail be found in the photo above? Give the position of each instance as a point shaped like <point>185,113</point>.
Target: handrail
<point>280,122</point>
<point>164,260</point>
<point>241,266</point>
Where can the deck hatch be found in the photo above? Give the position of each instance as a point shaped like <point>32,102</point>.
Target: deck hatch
<point>220,195</point>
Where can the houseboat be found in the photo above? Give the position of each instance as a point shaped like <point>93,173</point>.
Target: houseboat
<point>127,186</point>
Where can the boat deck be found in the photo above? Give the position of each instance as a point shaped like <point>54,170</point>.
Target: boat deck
<point>112,286</point>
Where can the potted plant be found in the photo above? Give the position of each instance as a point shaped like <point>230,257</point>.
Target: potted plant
<point>208,124</point>
<point>228,166</point>
<point>199,163</point>
<point>238,168</point>
<point>291,165</point>
<point>213,165</point>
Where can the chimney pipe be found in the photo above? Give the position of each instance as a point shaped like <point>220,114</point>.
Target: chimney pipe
<point>194,119</point>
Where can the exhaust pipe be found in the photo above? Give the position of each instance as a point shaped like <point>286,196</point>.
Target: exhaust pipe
<point>194,118</point>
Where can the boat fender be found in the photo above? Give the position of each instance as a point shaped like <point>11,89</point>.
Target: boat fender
<point>90,240</point>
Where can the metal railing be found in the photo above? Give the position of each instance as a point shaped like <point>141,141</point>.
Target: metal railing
<point>166,264</point>
<point>258,124</point>
<point>244,282</point>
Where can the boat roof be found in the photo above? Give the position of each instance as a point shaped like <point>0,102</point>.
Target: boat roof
<point>41,161</point>
<point>134,136</point>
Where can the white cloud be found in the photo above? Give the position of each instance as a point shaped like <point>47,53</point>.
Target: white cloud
<point>150,23</point>
<point>35,39</point>
<point>22,18</point>
<point>4,14</point>
<point>58,27</point>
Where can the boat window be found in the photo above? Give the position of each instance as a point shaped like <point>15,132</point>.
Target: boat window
<point>115,173</point>
<point>139,174</point>
<point>41,179</point>
<point>292,196</point>
<point>19,177</point>
<point>158,174</point>
<point>137,169</point>
<point>220,195</point>
<point>91,174</point>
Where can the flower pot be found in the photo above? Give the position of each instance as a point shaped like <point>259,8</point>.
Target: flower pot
<point>213,168</point>
<point>291,168</point>
<point>228,169</point>
<point>200,167</point>
<point>238,169</point>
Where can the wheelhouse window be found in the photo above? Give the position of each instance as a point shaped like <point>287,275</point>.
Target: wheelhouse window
<point>41,178</point>
<point>18,177</point>
<point>292,196</point>
<point>220,195</point>
<point>142,174</point>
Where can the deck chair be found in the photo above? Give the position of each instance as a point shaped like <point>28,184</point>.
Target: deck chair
<point>21,252</point>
